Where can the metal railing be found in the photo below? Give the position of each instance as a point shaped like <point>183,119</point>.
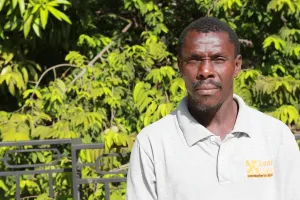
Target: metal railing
<point>77,180</point>
<point>53,145</point>
<point>17,170</point>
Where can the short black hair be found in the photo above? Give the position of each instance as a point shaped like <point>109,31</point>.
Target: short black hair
<point>210,24</point>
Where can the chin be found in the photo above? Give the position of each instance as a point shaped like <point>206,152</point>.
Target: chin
<point>206,107</point>
<point>205,103</point>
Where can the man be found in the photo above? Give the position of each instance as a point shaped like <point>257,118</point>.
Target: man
<point>213,146</point>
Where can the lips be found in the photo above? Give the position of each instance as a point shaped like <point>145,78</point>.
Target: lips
<point>207,90</point>
<point>207,84</point>
<point>207,87</point>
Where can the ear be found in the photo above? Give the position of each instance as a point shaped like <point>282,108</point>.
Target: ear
<point>237,65</point>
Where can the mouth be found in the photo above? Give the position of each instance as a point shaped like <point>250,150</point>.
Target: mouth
<point>207,85</point>
<point>207,89</point>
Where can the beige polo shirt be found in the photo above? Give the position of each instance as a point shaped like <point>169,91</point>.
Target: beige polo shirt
<point>176,158</point>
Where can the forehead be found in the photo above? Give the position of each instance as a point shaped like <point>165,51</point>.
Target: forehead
<point>211,42</point>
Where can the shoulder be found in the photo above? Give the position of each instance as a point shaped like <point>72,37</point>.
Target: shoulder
<point>153,138</point>
<point>258,123</point>
<point>268,126</point>
<point>158,129</point>
<point>272,132</point>
<point>266,120</point>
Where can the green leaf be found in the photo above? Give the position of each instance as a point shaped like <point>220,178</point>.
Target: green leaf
<point>287,86</point>
<point>109,139</point>
<point>164,28</point>
<point>121,139</point>
<point>8,25</point>
<point>40,157</point>
<point>14,3</point>
<point>154,75</point>
<point>11,88</point>
<point>34,157</point>
<point>145,103</point>
<point>43,196</point>
<point>54,12</point>
<point>137,89</point>
<point>163,109</point>
<point>53,4</point>
<point>3,186</point>
<point>44,17</point>
<point>63,2</point>
<point>2,3</point>
<point>177,83</point>
<point>115,196</point>
<point>278,42</point>
<point>65,18</point>
<point>41,132</point>
<point>35,8</point>
<point>27,26</point>
<point>59,15</point>
<point>36,29</point>
<point>21,6</point>
<point>27,92</point>
<point>25,74</point>
<point>61,85</point>
<point>22,184</point>
<point>151,109</point>
<point>16,136</point>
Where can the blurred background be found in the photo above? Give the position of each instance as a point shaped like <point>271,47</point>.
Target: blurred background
<point>101,70</point>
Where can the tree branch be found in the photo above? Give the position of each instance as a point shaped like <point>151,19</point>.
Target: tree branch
<point>64,74</point>
<point>212,7</point>
<point>99,55</point>
<point>29,197</point>
<point>54,73</point>
<point>246,42</point>
<point>49,69</point>
<point>120,169</point>
<point>283,19</point>
<point>125,29</point>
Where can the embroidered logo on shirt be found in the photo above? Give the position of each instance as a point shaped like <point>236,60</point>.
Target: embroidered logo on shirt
<point>259,168</point>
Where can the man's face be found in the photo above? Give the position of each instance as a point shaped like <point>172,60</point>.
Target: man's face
<point>208,65</point>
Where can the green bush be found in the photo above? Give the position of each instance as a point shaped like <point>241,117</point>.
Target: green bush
<point>101,70</point>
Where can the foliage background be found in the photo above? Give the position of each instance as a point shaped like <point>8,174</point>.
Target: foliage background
<point>101,70</point>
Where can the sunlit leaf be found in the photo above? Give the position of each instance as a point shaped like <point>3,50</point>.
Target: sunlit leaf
<point>36,29</point>
<point>14,3</point>
<point>27,25</point>
<point>44,17</point>
<point>21,6</point>
<point>59,15</point>
<point>2,3</point>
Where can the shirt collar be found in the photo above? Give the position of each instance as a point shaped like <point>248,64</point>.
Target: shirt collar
<point>194,132</point>
<point>242,124</point>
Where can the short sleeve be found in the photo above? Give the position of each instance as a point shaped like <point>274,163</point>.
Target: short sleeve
<point>288,168</point>
<point>141,179</point>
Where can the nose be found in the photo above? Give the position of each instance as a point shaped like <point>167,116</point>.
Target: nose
<point>206,70</point>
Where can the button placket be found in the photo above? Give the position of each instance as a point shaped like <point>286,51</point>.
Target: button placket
<point>223,170</point>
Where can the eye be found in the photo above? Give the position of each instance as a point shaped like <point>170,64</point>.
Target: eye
<point>193,62</point>
<point>219,60</point>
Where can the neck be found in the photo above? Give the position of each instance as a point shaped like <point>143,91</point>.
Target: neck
<point>219,121</point>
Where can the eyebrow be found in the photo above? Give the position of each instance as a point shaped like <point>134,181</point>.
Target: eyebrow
<point>197,55</point>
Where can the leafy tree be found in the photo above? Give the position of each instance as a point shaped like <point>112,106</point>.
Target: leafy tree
<point>101,70</point>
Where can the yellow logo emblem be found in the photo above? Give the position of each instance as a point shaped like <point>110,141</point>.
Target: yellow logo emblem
<point>259,168</point>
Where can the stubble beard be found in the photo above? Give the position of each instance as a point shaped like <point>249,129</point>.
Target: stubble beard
<point>206,108</point>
